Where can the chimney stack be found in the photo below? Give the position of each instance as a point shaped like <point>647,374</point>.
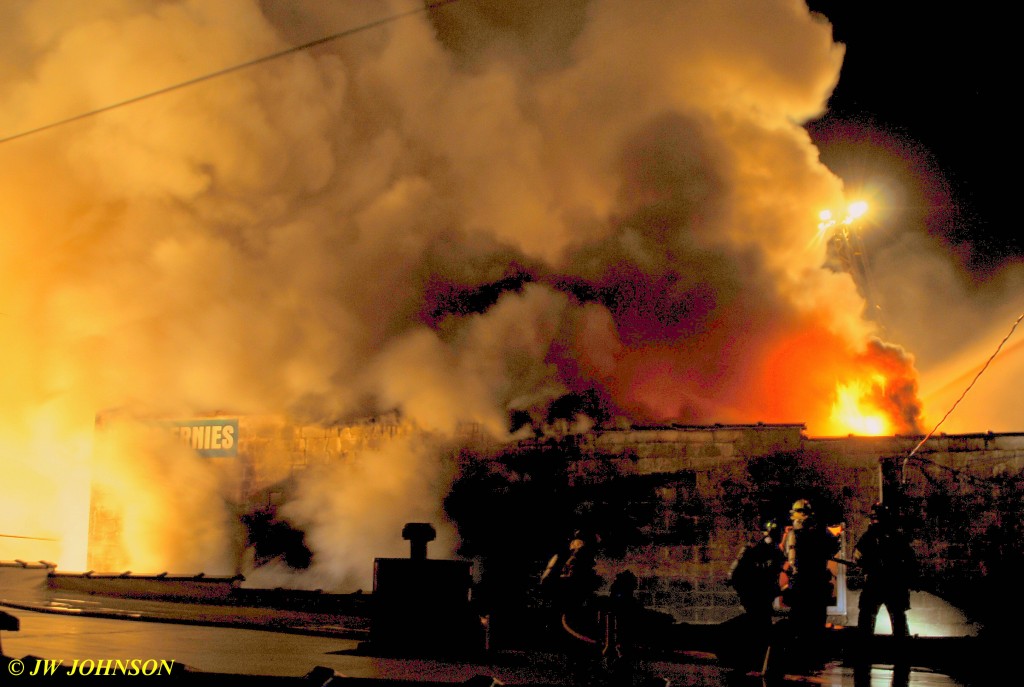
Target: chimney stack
<point>418,534</point>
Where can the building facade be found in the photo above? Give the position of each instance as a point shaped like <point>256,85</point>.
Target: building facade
<point>673,504</point>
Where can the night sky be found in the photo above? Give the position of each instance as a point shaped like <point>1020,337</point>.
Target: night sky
<point>931,79</point>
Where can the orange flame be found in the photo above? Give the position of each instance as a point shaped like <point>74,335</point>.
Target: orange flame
<point>854,412</point>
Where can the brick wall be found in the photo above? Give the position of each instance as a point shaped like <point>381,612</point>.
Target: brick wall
<point>675,504</point>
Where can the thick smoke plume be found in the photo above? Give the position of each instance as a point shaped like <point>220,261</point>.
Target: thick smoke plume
<point>592,210</point>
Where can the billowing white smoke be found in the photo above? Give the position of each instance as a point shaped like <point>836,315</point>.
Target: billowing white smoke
<point>282,238</point>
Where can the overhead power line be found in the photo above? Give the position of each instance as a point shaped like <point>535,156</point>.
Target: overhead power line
<point>973,381</point>
<point>20,536</point>
<point>427,6</point>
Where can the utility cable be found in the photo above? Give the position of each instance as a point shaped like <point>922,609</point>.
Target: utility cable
<point>19,536</point>
<point>228,70</point>
<point>957,402</point>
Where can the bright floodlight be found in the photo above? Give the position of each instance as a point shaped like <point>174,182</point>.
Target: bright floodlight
<point>857,209</point>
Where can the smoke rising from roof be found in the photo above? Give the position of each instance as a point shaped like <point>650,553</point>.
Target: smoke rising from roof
<point>460,214</point>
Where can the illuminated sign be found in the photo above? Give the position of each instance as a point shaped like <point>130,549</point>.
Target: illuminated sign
<point>216,438</point>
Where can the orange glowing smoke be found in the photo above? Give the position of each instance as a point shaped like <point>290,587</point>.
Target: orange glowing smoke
<point>208,248</point>
<point>807,375</point>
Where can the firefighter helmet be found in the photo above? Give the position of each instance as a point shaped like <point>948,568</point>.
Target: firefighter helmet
<point>802,506</point>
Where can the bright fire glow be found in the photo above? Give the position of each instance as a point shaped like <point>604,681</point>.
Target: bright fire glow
<point>46,517</point>
<point>853,411</point>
